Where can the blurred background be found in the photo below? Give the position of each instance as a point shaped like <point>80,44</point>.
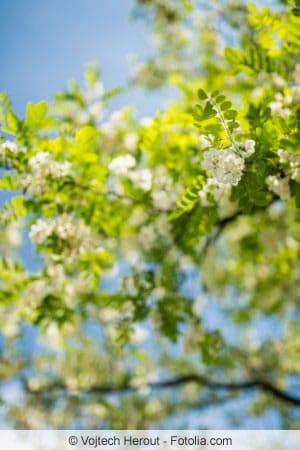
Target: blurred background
<point>43,45</point>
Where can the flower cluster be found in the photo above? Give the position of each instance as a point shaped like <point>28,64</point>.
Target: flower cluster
<point>213,191</point>
<point>42,167</point>
<point>293,161</point>
<point>123,166</point>
<point>9,150</point>
<point>279,185</point>
<point>226,166</point>
<point>90,109</point>
<point>280,107</point>
<point>165,192</point>
<point>77,237</point>
<point>151,234</point>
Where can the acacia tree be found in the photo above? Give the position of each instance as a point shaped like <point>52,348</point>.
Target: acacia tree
<point>167,274</point>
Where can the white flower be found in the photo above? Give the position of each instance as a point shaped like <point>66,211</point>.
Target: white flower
<point>278,80</point>
<point>224,165</point>
<point>279,106</point>
<point>41,230</point>
<point>117,117</point>
<point>296,174</point>
<point>148,236</point>
<point>9,150</point>
<point>146,122</point>
<point>13,234</point>
<point>59,170</point>
<point>130,141</point>
<point>162,200</point>
<point>40,161</point>
<point>96,110</point>
<point>139,335</point>
<point>122,164</point>
<point>108,129</point>
<point>11,147</point>
<point>294,161</point>
<point>279,186</point>
<point>65,227</point>
<point>43,164</point>
<point>94,92</point>
<point>213,191</point>
<point>246,148</point>
<point>142,179</point>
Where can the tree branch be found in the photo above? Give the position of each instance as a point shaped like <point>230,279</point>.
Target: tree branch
<point>262,385</point>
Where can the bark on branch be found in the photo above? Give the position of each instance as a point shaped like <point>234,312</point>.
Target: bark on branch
<point>262,385</point>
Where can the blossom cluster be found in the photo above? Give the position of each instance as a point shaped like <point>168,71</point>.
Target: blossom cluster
<point>9,150</point>
<point>165,191</point>
<point>226,168</point>
<point>280,106</point>
<point>152,233</point>
<point>116,129</point>
<point>91,108</point>
<point>283,104</point>
<point>279,185</point>
<point>42,167</point>
<point>293,161</point>
<point>75,234</point>
<point>124,166</point>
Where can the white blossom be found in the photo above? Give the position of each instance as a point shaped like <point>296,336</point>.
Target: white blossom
<point>139,335</point>
<point>9,150</point>
<point>122,164</point>
<point>43,164</point>
<point>130,141</point>
<point>96,110</point>
<point>224,165</point>
<point>280,106</point>
<point>94,92</point>
<point>41,230</point>
<point>278,80</point>
<point>293,159</point>
<point>246,148</point>
<point>13,234</point>
<point>213,190</point>
<point>279,186</point>
<point>142,179</point>
<point>165,192</point>
<point>162,200</point>
<point>12,147</point>
<point>146,122</point>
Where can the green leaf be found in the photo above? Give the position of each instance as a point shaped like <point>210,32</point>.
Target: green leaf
<point>202,94</point>
<point>220,98</point>
<point>36,114</point>
<point>215,94</point>
<point>225,105</point>
<point>233,56</point>
<point>231,114</point>
<point>296,11</point>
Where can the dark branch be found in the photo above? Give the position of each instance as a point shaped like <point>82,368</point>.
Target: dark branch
<point>262,385</point>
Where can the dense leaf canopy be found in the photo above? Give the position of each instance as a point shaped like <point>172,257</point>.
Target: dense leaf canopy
<point>166,276</point>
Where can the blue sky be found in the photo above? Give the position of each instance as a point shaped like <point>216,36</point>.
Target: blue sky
<point>45,43</point>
